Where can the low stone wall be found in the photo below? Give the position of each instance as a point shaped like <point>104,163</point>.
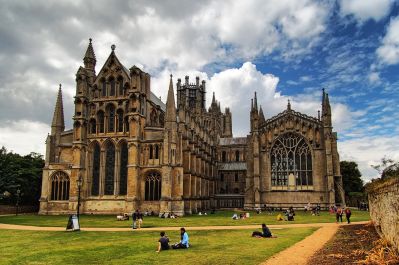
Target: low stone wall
<point>384,208</point>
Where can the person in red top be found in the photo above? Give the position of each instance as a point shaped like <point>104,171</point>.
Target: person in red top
<point>348,214</point>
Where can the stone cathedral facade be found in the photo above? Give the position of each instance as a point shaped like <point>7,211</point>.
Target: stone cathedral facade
<point>132,151</point>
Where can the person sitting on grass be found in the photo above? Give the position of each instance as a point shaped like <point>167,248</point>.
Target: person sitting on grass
<point>265,233</point>
<point>163,242</point>
<point>183,240</point>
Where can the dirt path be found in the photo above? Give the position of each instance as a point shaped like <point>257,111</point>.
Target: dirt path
<point>301,252</point>
<point>114,229</point>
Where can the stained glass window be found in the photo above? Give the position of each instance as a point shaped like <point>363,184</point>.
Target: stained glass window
<point>123,170</point>
<point>109,169</point>
<point>96,170</point>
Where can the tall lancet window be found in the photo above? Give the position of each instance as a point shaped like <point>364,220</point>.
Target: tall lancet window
<point>120,120</point>
<point>111,118</point>
<point>109,169</point>
<point>59,186</point>
<point>100,119</point>
<point>120,92</point>
<point>123,169</point>
<point>95,183</point>
<point>112,90</point>
<point>291,154</point>
<point>104,88</point>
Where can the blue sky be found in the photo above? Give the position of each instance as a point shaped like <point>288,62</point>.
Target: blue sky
<point>282,49</point>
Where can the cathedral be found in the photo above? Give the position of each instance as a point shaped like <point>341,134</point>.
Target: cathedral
<point>129,150</point>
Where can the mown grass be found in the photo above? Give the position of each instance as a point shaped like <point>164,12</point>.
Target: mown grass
<point>208,247</point>
<point>218,219</point>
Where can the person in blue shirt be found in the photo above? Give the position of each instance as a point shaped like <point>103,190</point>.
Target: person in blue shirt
<point>183,240</point>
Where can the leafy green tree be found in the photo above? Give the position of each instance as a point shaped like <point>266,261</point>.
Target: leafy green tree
<point>351,178</point>
<point>20,172</point>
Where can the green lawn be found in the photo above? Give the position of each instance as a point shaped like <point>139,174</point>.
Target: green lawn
<point>220,218</point>
<point>208,247</point>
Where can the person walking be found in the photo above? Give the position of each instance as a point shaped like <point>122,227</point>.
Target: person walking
<point>348,214</point>
<point>134,218</point>
<point>339,214</point>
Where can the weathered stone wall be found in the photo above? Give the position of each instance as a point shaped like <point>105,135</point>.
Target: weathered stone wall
<point>384,208</point>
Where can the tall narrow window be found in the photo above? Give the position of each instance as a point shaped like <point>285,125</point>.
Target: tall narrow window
<point>236,177</point>
<point>109,169</point>
<point>153,189</point>
<point>123,169</point>
<point>120,120</point>
<point>100,119</point>
<point>111,118</point>
<point>156,152</point>
<point>112,89</point>
<point>93,126</point>
<point>237,155</point>
<point>120,92</point>
<point>151,152</point>
<point>126,124</point>
<point>104,88</point>
<point>224,156</point>
<point>59,186</point>
<point>95,184</point>
<point>291,154</point>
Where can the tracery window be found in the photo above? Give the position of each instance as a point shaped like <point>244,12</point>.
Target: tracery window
<point>123,169</point>
<point>96,170</point>
<point>153,183</point>
<point>59,186</point>
<point>291,155</point>
<point>109,169</point>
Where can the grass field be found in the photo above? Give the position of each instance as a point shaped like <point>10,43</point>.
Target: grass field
<point>219,218</point>
<point>208,247</point>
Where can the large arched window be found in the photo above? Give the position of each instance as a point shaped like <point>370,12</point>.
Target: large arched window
<point>111,118</point>
<point>59,186</point>
<point>153,183</point>
<point>291,154</point>
<point>100,119</point>
<point>95,184</point>
<point>123,169</point>
<point>109,169</point>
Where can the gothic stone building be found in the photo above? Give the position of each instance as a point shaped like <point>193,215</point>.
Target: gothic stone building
<point>132,151</point>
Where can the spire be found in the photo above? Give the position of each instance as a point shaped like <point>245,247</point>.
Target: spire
<point>58,124</point>
<point>170,103</point>
<point>261,115</point>
<point>213,98</point>
<point>326,110</point>
<point>90,58</point>
<point>255,102</point>
<point>289,105</point>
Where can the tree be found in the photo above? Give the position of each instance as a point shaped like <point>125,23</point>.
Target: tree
<point>351,177</point>
<point>387,168</point>
<point>23,173</point>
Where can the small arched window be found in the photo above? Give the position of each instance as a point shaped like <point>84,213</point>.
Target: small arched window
<point>59,186</point>
<point>104,88</point>
<point>153,189</point>
<point>120,92</point>
<point>93,126</point>
<point>100,119</point>
<point>120,120</point>
<point>112,89</point>
<point>224,156</point>
<point>111,118</point>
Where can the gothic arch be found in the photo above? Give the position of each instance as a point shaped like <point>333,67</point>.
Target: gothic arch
<point>60,184</point>
<point>291,153</point>
<point>153,186</point>
<point>109,174</point>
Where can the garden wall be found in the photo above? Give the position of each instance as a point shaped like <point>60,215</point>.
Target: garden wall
<point>384,208</point>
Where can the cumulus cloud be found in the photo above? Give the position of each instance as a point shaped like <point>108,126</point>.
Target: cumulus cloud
<point>363,10</point>
<point>388,52</point>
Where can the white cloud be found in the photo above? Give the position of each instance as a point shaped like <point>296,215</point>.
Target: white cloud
<point>368,151</point>
<point>363,10</point>
<point>374,77</point>
<point>388,52</point>
<point>24,136</point>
